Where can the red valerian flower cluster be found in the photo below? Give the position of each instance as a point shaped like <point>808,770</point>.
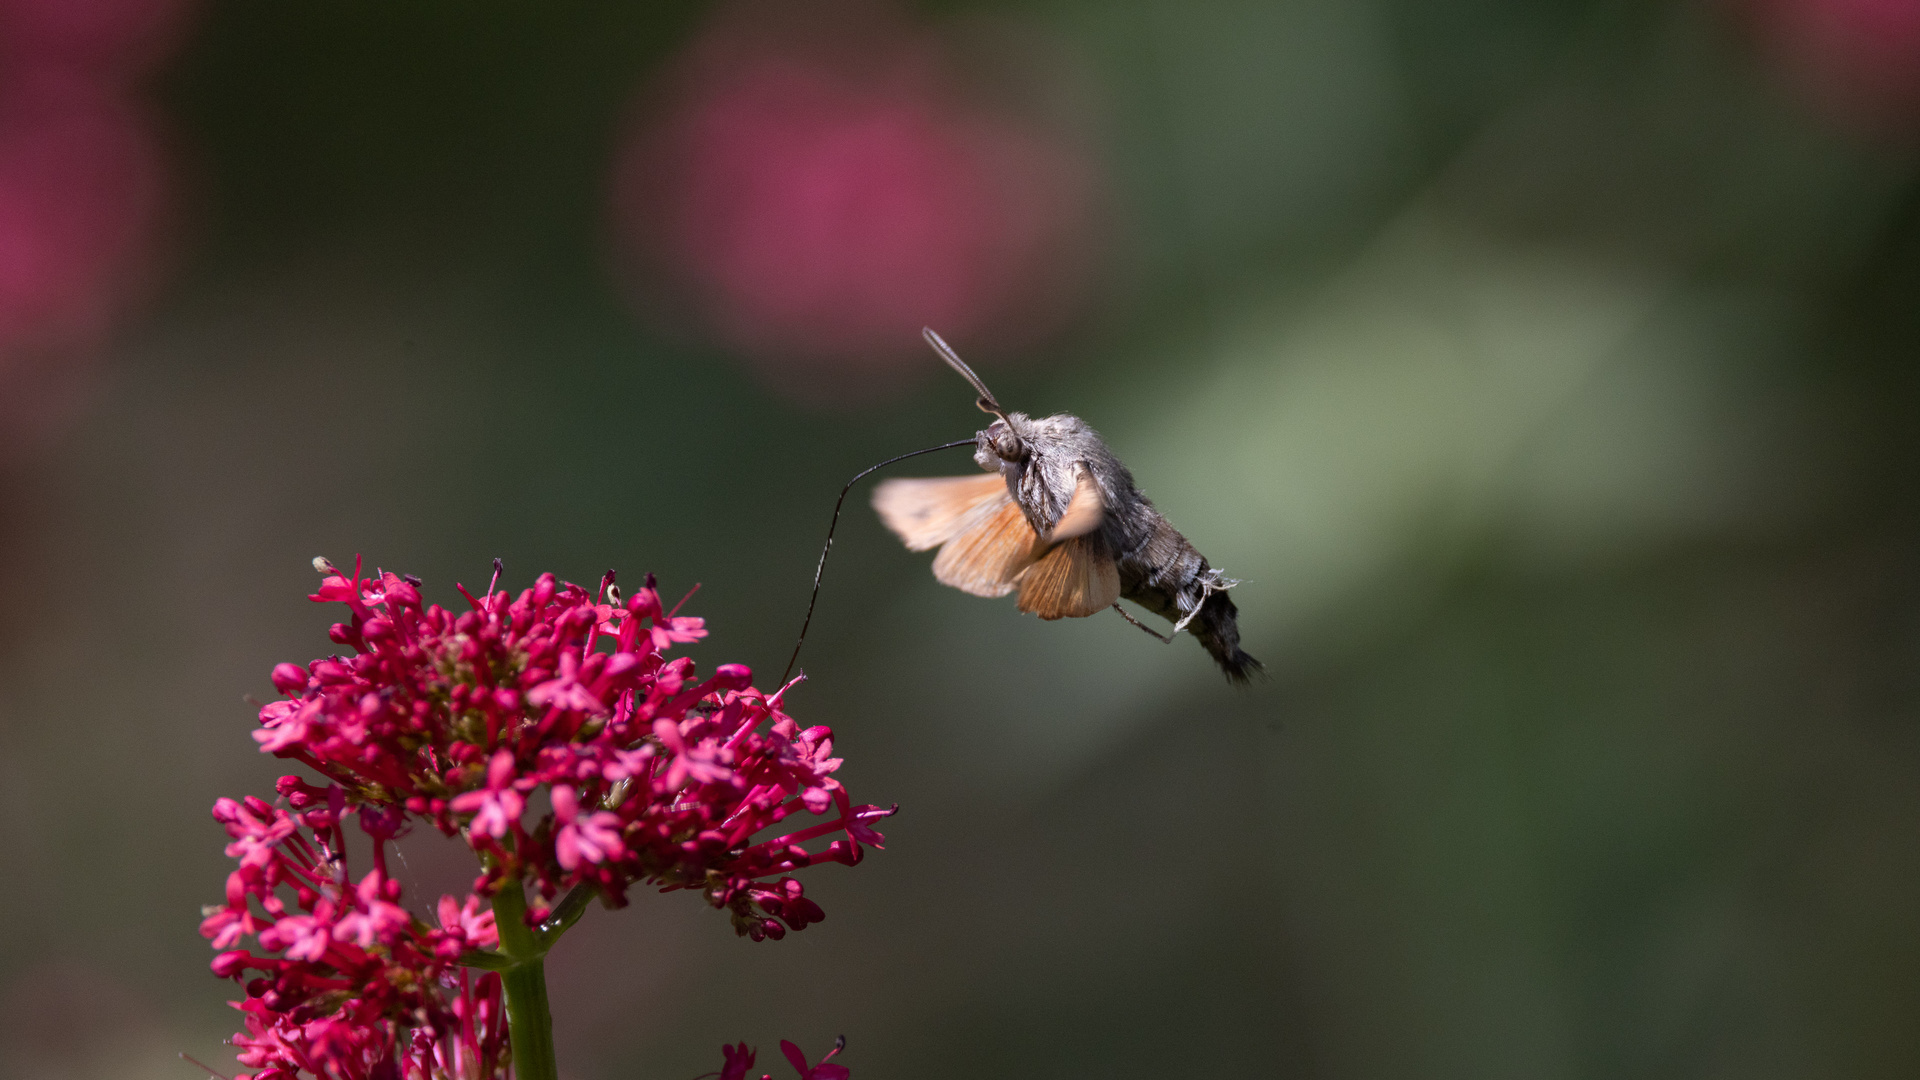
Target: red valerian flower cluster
<point>652,775</point>
<point>361,989</point>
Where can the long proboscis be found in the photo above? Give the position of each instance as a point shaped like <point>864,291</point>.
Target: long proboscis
<point>821,568</point>
<point>988,403</point>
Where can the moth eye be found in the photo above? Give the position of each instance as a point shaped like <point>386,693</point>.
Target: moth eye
<point>1009,447</point>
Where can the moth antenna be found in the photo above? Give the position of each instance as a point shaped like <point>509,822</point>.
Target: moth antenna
<point>827,549</point>
<point>987,402</point>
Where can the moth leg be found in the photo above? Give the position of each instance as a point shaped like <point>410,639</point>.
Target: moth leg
<point>1188,617</point>
<point>1167,640</point>
<point>1214,582</point>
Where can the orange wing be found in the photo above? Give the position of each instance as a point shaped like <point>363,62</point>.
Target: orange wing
<point>926,513</point>
<point>988,541</point>
<point>1073,580</point>
<point>987,558</point>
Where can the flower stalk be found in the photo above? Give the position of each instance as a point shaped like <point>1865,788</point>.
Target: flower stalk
<point>529,1021</point>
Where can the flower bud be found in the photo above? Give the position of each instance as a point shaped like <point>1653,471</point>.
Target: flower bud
<point>382,822</point>
<point>803,913</point>
<point>289,679</point>
<point>298,793</point>
<point>231,963</point>
<point>591,670</point>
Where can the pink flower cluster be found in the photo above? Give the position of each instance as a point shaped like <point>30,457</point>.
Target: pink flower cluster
<point>361,988</point>
<point>652,776</point>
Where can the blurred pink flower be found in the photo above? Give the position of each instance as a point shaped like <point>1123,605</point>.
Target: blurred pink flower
<point>817,186</point>
<point>1858,59</point>
<point>738,1060</point>
<point>83,181</point>
<point>110,38</point>
<point>820,1070</point>
<point>80,183</point>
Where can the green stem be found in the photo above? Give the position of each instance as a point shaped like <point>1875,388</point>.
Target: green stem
<point>565,914</point>
<point>486,961</point>
<point>517,939</point>
<point>529,1022</point>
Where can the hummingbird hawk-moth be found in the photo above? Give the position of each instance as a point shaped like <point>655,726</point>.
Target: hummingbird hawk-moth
<point>1057,517</point>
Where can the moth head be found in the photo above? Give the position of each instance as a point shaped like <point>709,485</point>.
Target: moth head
<point>998,447</point>
<point>1005,443</point>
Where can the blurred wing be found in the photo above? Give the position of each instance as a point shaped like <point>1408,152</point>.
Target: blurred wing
<point>986,558</point>
<point>1084,512</point>
<point>929,512</point>
<point>1072,581</point>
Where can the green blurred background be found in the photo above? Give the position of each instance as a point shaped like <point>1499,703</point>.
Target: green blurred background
<point>1545,369</point>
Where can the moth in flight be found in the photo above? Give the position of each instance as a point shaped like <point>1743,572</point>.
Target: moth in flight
<point>1057,518</point>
